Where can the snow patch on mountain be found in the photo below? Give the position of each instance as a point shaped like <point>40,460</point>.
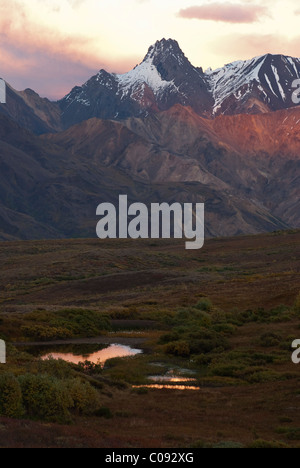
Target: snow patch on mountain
<point>270,85</point>
<point>294,66</point>
<point>228,80</point>
<point>282,93</point>
<point>145,73</point>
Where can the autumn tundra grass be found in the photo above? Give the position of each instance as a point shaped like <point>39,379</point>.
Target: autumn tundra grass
<point>222,319</point>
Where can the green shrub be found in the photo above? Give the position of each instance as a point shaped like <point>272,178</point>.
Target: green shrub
<point>51,399</point>
<point>178,348</point>
<point>45,333</point>
<point>226,370</point>
<point>202,360</point>
<point>262,376</point>
<point>45,398</point>
<point>204,304</point>
<point>269,340</point>
<point>205,341</point>
<point>225,328</point>
<point>10,396</point>
<point>266,444</point>
<point>279,314</point>
<point>169,337</point>
<point>65,323</point>
<point>228,445</point>
<point>85,398</point>
<point>199,444</point>
<point>291,433</point>
<point>55,367</point>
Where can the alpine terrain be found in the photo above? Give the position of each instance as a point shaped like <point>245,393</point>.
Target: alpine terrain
<point>165,131</point>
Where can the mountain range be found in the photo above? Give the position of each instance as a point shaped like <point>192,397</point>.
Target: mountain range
<point>165,131</point>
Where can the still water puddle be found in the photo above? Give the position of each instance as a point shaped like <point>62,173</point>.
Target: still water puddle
<point>171,378</point>
<point>172,381</point>
<point>168,387</point>
<point>76,354</point>
<point>98,357</point>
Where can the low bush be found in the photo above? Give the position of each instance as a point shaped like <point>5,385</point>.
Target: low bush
<point>45,398</point>
<point>178,348</point>
<point>228,445</point>
<point>65,323</point>
<point>45,333</point>
<point>290,433</point>
<point>51,399</point>
<point>10,396</point>
<point>270,340</point>
<point>57,368</point>
<point>85,398</point>
<point>204,304</point>
<point>266,444</point>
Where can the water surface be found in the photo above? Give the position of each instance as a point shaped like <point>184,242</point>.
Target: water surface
<point>98,357</point>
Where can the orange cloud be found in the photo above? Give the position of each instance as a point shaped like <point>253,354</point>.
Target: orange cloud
<point>45,59</point>
<point>225,12</point>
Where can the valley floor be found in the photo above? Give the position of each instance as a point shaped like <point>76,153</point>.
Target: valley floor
<point>227,313</point>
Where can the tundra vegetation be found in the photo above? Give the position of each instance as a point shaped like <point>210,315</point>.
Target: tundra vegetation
<point>225,316</point>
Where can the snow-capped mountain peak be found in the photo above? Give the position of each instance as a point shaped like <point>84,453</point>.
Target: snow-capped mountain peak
<point>163,49</point>
<point>144,73</point>
<point>264,82</point>
<point>159,69</point>
<point>166,77</point>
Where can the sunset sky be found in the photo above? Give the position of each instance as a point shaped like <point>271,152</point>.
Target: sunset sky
<point>53,45</point>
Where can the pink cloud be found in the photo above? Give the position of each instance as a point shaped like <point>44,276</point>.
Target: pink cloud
<point>46,60</point>
<point>225,12</point>
<point>245,46</point>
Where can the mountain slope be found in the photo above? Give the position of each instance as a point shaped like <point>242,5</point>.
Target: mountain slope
<point>241,151</point>
<point>163,79</point>
<point>166,77</point>
<point>52,185</point>
<point>30,111</point>
<point>254,86</point>
<point>165,131</point>
<point>179,146</point>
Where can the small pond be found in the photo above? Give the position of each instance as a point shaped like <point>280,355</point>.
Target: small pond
<point>79,353</point>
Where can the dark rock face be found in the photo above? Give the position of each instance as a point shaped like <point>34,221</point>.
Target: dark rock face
<point>31,111</point>
<point>166,77</point>
<point>51,185</point>
<point>163,132</point>
<point>255,86</point>
<point>163,79</point>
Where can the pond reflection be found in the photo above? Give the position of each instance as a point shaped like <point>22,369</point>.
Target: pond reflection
<point>98,357</point>
<point>168,387</point>
<point>170,378</point>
